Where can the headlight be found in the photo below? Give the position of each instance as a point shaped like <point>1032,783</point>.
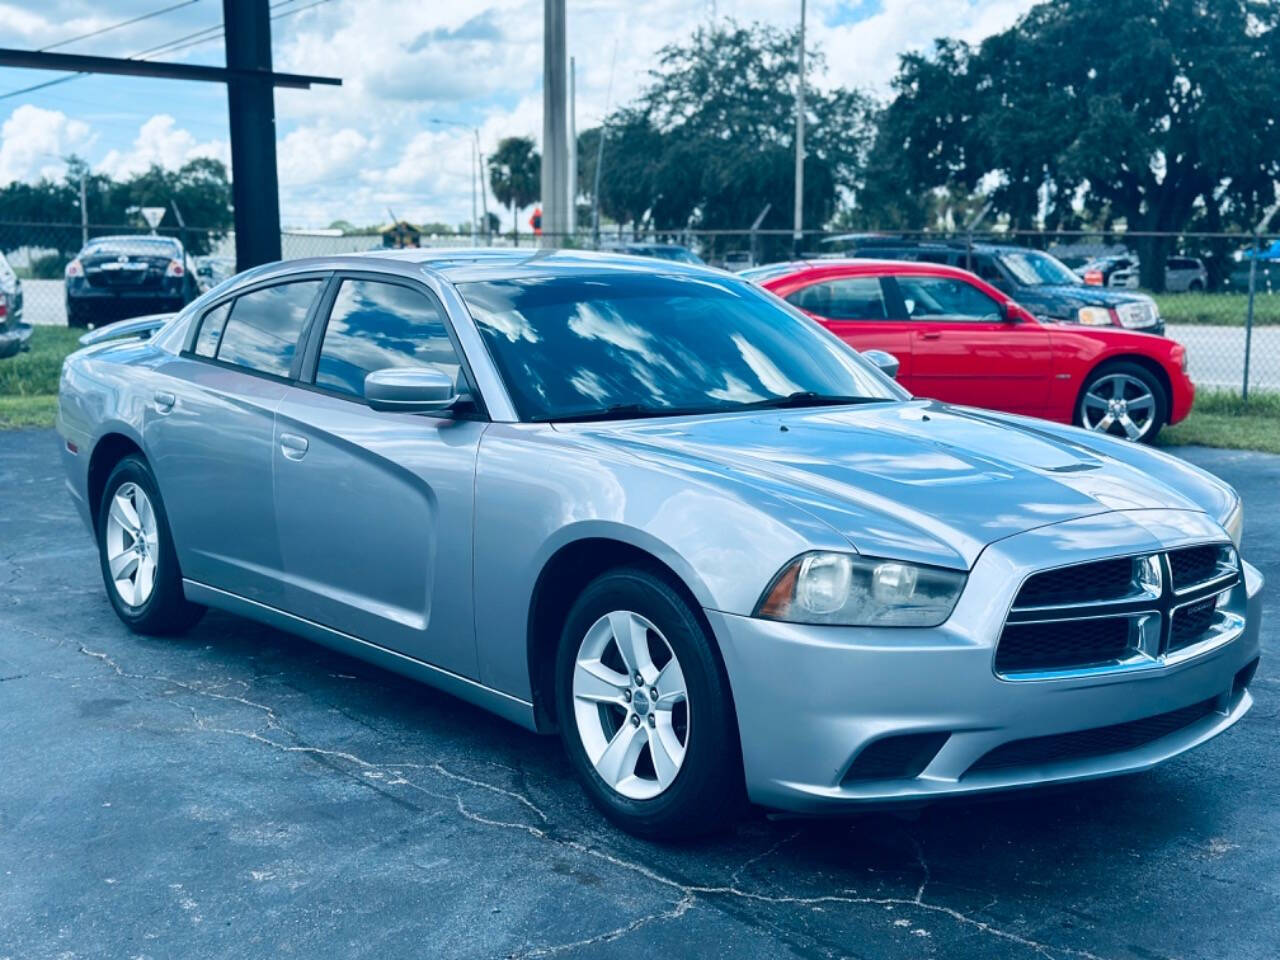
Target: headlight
<point>1234,523</point>
<point>854,591</point>
<point>1094,316</point>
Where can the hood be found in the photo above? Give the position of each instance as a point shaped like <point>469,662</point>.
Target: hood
<point>917,480</point>
<point>1063,300</point>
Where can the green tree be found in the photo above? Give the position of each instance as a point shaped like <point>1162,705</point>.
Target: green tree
<point>711,141</point>
<point>1165,116</point>
<point>515,175</point>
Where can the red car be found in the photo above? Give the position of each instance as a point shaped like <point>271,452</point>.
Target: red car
<point>958,339</point>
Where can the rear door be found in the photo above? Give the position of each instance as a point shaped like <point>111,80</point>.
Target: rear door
<point>375,509</point>
<point>855,309</point>
<point>963,351</point>
<point>210,429</point>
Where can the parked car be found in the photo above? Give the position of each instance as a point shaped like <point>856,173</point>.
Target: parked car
<point>1181,275</point>
<point>1036,280</point>
<point>670,517</point>
<point>1097,272</point>
<point>211,271</point>
<point>113,278</point>
<point>660,251</point>
<point>736,261</point>
<point>14,334</point>
<point>959,339</point>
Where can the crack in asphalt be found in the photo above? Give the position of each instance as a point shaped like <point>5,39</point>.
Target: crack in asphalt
<point>392,774</point>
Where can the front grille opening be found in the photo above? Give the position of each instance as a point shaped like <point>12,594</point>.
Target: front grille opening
<point>1192,565</point>
<point>901,757</point>
<point>1244,677</point>
<point>1101,580</point>
<point>1098,742</point>
<point>1067,643</point>
<point>1192,622</point>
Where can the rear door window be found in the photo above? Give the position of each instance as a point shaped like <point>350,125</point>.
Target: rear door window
<point>853,298</point>
<point>263,329</point>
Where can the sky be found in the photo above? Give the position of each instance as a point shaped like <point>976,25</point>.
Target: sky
<point>417,78</point>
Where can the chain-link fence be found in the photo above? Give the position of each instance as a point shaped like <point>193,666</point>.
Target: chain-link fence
<point>1206,301</point>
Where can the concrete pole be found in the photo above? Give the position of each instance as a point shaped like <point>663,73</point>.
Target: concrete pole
<point>555,134</point>
<point>484,196</point>
<point>84,212</point>
<point>798,231</point>
<point>573,148</point>
<point>475,178</point>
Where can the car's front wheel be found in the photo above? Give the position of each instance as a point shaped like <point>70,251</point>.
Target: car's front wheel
<point>139,563</point>
<point>645,711</point>
<point>1123,399</point>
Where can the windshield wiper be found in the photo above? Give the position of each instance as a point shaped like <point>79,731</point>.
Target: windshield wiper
<point>623,411</point>
<point>808,398</point>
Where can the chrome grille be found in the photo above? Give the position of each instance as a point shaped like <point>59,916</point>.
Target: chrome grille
<point>1119,612</point>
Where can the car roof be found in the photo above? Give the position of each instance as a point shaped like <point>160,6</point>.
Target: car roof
<point>469,264</point>
<point>851,267</point>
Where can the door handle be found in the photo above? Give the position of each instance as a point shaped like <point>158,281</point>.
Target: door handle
<point>165,400</point>
<point>293,446</point>
<point>931,335</point>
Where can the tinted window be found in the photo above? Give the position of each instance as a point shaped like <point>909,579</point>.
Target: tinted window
<point>854,298</point>
<point>986,268</point>
<point>211,330</point>
<point>933,256</point>
<point>945,297</point>
<point>374,326</point>
<point>578,346</point>
<point>263,331</point>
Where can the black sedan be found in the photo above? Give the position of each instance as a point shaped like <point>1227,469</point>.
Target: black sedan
<point>113,278</point>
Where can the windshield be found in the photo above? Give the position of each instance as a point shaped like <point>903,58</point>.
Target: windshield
<point>623,346</point>
<point>1032,269</point>
<point>142,246</point>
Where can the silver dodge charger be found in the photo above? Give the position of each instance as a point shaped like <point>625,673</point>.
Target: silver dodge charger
<point>654,508</point>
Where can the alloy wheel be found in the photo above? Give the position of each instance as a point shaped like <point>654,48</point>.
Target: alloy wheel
<point>133,544</point>
<point>631,705</point>
<point>1119,404</point>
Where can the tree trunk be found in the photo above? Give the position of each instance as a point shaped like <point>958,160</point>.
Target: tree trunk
<point>1152,253</point>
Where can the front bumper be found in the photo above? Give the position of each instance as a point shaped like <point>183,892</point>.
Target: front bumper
<point>810,699</point>
<point>13,339</point>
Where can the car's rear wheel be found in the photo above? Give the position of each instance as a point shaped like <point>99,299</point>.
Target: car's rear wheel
<point>1124,400</point>
<point>139,563</point>
<point>645,710</point>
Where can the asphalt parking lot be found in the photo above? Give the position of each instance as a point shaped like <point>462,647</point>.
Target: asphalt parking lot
<point>240,792</point>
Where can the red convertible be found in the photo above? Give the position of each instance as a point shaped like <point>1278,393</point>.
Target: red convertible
<point>958,339</point>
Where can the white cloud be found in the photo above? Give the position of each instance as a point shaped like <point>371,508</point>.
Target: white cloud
<point>161,141</point>
<point>33,141</point>
<point>354,151</point>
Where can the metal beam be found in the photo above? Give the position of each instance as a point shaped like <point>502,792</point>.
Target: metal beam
<point>255,190</point>
<point>76,63</point>
<point>555,133</point>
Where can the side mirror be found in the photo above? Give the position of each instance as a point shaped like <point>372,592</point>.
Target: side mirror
<point>1007,314</point>
<point>410,389</point>
<point>884,361</point>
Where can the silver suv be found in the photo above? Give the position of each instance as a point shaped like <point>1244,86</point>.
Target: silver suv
<point>14,334</point>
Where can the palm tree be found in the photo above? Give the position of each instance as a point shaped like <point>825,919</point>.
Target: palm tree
<point>515,174</point>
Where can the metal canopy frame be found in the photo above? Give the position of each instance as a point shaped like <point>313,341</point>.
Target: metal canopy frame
<point>251,84</point>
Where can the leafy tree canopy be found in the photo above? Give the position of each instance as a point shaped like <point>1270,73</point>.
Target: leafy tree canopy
<point>515,175</point>
<point>1160,112</point>
<point>711,141</point>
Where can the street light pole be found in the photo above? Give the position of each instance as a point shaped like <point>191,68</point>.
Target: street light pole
<point>572,212</point>
<point>798,231</point>
<point>555,179</point>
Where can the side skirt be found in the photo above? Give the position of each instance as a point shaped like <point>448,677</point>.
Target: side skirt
<point>503,704</point>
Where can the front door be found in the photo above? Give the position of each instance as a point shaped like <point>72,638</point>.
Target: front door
<point>209,428</point>
<point>375,509</point>
<point>963,351</point>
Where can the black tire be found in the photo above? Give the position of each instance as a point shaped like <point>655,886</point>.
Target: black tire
<point>1195,286</point>
<point>76,318</point>
<point>166,611</point>
<point>707,794</point>
<point>1138,372</point>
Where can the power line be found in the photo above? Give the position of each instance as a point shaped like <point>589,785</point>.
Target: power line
<point>117,26</point>
<point>216,32</point>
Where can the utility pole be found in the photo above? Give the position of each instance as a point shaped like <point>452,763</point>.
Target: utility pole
<point>798,232</point>
<point>484,197</point>
<point>595,190</point>
<point>555,168</point>
<point>573,148</point>
<point>255,192</point>
<point>84,211</point>
<point>475,176</point>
